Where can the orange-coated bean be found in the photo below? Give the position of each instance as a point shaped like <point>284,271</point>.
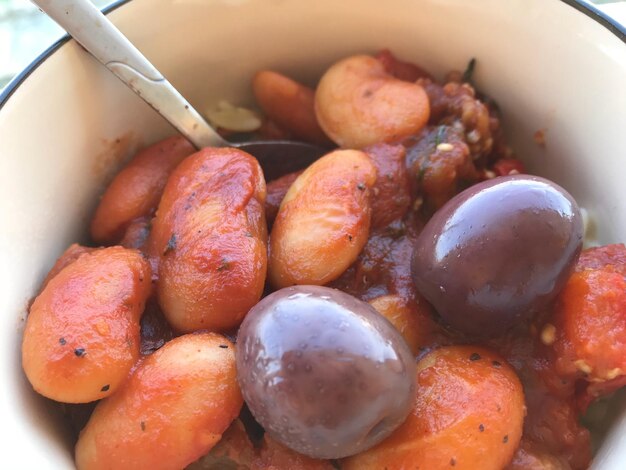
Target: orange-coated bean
<point>406,316</point>
<point>468,414</point>
<point>357,103</point>
<point>209,237</point>
<point>171,411</point>
<point>136,189</point>
<point>234,451</point>
<point>82,333</point>
<point>68,257</point>
<point>289,104</point>
<point>324,220</point>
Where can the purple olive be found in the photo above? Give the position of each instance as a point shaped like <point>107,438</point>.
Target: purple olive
<point>323,372</point>
<point>498,252</point>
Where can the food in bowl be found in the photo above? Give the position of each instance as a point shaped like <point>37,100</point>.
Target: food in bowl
<point>195,226</point>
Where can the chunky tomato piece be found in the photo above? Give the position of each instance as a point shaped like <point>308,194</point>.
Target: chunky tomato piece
<point>588,330</point>
<point>590,326</point>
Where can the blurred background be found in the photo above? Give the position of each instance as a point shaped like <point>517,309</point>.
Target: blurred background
<point>25,32</point>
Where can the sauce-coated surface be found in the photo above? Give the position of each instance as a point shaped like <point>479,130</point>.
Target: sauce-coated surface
<point>352,221</point>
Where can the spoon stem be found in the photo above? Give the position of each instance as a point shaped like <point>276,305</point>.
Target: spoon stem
<point>87,25</point>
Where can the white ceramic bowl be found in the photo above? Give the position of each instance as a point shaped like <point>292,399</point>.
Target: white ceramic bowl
<point>66,124</point>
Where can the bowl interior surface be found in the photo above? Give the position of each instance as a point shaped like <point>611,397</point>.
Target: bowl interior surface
<point>71,124</point>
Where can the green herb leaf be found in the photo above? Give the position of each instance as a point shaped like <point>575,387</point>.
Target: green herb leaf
<point>439,136</point>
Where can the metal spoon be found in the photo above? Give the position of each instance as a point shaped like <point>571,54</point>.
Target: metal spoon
<point>87,25</point>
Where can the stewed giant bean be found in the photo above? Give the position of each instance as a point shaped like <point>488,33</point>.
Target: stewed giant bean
<point>82,334</point>
<point>418,303</point>
<point>209,238</point>
<point>171,410</point>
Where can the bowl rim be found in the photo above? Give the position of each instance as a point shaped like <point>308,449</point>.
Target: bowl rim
<point>588,9</point>
<point>581,6</point>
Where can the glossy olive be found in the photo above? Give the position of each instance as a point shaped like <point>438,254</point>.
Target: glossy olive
<point>498,252</point>
<point>323,372</point>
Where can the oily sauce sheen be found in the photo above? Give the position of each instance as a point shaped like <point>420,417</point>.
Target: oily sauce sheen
<point>418,302</point>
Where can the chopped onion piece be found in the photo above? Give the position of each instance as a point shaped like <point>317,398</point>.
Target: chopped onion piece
<point>233,118</point>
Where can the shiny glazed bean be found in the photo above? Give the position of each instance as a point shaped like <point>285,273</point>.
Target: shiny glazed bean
<point>82,334</point>
<point>323,372</point>
<point>136,189</point>
<point>323,221</point>
<point>289,104</point>
<point>498,252</point>
<point>171,411</point>
<point>358,103</point>
<point>209,238</point>
<point>468,413</point>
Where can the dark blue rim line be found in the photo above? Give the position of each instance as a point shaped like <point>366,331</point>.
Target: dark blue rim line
<point>580,5</point>
<point>605,20</point>
<point>14,84</point>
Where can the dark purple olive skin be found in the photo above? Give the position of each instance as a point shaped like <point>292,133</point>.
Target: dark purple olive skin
<point>498,252</point>
<point>323,372</point>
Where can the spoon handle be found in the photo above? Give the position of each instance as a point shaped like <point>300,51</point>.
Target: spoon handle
<point>87,25</point>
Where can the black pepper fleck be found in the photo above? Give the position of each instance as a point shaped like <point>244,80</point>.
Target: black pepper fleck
<point>481,427</point>
<point>62,341</point>
<point>143,426</point>
<point>105,388</point>
<point>224,266</point>
<point>452,462</point>
<point>475,357</point>
<point>350,237</point>
<point>224,346</point>
<point>505,439</point>
<point>80,352</point>
<point>360,187</point>
<point>496,363</point>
